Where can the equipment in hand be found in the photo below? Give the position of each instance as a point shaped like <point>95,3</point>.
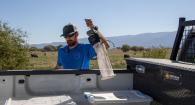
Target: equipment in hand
<point>100,45</point>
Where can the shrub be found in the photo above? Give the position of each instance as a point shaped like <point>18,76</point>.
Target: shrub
<point>125,48</point>
<point>155,52</point>
<point>137,48</point>
<point>13,53</point>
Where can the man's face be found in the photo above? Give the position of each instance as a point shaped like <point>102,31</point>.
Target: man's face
<point>72,39</point>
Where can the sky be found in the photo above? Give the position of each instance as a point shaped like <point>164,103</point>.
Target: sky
<point>43,20</point>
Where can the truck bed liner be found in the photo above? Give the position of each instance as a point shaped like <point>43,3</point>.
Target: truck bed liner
<point>72,99</point>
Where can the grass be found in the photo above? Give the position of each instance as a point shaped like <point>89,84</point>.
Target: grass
<point>47,60</point>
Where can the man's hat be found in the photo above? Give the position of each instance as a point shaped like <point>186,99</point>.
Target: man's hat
<point>69,29</point>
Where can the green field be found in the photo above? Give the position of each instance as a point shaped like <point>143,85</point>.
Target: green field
<point>47,60</point>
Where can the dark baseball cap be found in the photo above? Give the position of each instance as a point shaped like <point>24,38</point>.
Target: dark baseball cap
<point>69,29</point>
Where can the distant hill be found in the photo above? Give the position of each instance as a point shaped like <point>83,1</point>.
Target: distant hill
<point>165,39</point>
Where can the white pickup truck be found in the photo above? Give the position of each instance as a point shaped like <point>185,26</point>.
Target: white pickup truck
<point>144,82</point>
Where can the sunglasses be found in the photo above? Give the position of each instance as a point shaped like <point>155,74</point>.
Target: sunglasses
<point>69,35</point>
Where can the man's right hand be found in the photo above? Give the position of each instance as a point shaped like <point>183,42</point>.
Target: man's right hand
<point>89,23</point>
<point>58,67</point>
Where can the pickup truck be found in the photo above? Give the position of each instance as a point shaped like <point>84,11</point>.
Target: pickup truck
<point>145,81</point>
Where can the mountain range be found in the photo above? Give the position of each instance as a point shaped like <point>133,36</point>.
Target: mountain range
<point>165,39</point>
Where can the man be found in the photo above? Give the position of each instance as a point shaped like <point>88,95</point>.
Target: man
<point>74,55</point>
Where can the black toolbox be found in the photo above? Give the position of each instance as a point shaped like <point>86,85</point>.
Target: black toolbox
<point>167,82</point>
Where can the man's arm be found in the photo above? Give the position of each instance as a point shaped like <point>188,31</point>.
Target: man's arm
<point>59,61</point>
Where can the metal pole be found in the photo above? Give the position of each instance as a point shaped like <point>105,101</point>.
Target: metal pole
<point>178,38</point>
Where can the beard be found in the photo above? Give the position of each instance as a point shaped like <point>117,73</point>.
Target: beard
<point>71,43</point>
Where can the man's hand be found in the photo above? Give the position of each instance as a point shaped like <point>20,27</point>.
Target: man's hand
<point>89,23</point>
<point>58,67</point>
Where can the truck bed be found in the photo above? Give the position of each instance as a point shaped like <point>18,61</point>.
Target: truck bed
<point>64,87</point>
<point>72,99</point>
<point>121,97</point>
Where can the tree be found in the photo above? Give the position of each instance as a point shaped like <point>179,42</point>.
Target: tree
<point>59,46</point>
<point>34,49</point>
<point>14,52</point>
<point>49,48</point>
<point>137,48</point>
<point>125,48</point>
